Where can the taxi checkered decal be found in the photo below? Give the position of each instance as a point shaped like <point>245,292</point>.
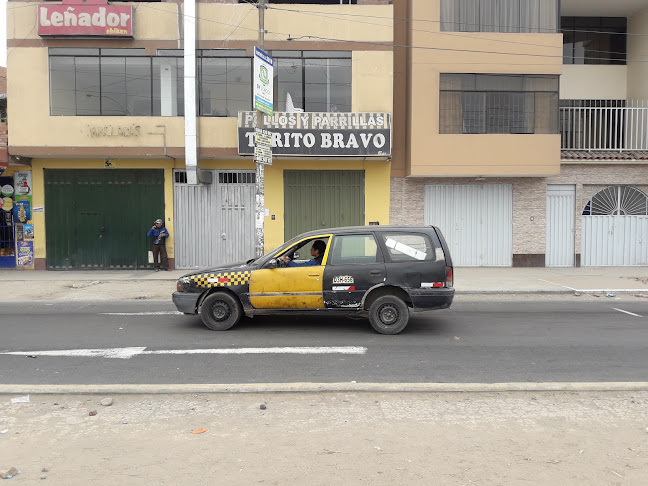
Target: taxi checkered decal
<point>220,279</point>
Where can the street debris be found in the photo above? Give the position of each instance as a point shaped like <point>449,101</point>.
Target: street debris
<point>44,470</point>
<point>577,294</point>
<point>20,399</point>
<point>92,413</point>
<point>141,297</point>
<point>644,296</point>
<point>198,431</point>
<point>610,294</point>
<point>31,356</point>
<point>4,431</point>
<point>457,338</point>
<point>107,402</point>
<point>10,473</point>
<point>43,476</point>
<point>262,406</point>
<point>84,284</point>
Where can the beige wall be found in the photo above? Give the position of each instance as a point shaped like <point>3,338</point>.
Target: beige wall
<point>460,52</point>
<point>638,51</point>
<point>594,82</point>
<point>28,81</point>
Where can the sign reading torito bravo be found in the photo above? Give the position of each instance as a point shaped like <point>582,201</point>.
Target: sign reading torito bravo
<point>320,134</point>
<point>85,18</point>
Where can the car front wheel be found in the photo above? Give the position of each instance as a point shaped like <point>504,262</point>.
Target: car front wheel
<point>388,315</point>
<point>220,311</point>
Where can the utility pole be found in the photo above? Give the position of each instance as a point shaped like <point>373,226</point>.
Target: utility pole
<point>259,198</point>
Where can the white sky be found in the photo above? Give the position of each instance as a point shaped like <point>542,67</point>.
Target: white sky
<point>3,32</point>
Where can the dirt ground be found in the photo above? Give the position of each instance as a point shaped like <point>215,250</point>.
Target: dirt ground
<point>327,439</point>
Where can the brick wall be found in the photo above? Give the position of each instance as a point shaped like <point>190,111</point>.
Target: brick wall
<point>407,199</point>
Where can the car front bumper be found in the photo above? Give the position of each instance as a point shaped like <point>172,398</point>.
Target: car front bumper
<point>186,302</point>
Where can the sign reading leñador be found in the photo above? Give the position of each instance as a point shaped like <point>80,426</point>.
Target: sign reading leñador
<point>89,18</point>
<point>320,134</point>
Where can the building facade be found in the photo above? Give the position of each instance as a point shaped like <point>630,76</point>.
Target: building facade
<point>526,129</point>
<point>102,123</point>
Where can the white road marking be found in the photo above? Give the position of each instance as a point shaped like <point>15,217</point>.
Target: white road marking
<point>127,353</point>
<point>120,353</point>
<point>161,313</point>
<point>285,350</point>
<point>626,312</point>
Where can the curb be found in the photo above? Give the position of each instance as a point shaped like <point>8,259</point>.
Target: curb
<point>170,389</point>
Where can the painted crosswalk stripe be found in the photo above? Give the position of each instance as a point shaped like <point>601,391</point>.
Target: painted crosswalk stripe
<point>127,353</point>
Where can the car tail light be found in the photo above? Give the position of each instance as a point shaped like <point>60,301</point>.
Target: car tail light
<point>449,277</point>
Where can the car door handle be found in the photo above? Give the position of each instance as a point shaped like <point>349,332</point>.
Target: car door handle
<point>375,272</point>
<point>313,274</point>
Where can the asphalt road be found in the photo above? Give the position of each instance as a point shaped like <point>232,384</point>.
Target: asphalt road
<point>485,341</point>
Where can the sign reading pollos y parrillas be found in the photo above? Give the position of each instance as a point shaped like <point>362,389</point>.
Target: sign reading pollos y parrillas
<point>85,18</point>
<point>320,134</point>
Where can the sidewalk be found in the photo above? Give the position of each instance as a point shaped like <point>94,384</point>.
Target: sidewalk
<point>586,280</point>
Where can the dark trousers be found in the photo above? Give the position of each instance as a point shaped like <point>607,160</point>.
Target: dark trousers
<point>159,251</point>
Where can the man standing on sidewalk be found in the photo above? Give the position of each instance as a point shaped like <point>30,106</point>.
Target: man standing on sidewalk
<point>159,234</point>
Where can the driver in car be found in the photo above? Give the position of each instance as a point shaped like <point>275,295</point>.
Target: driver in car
<point>317,252</point>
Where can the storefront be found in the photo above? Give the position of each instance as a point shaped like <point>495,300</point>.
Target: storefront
<point>16,225</point>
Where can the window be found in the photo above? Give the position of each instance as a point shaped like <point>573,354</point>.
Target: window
<point>495,103</point>
<point>225,79</point>
<point>317,81</point>
<point>354,249</point>
<point>500,15</point>
<point>594,40</point>
<point>408,247</point>
<point>114,82</point>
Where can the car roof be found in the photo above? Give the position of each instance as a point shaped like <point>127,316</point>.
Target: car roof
<point>355,229</point>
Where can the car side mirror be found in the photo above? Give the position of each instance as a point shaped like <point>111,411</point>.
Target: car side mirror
<point>272,263</point>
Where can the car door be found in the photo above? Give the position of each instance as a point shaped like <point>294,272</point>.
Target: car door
<point>291,287</point>
<point>354,265</point>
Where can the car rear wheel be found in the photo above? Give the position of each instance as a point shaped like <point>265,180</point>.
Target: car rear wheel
<point>220,311</point>
<point>388,315</point>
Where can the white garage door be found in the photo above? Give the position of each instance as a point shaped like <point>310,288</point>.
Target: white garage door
<point>615,228</point>
<point>476,220</point>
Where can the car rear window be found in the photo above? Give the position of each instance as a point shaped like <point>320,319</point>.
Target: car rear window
<point>409,247</point>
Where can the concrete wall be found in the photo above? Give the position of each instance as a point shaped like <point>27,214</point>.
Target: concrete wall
<point>638,53</point>
<point>460,52</point>
<point>594,82</point>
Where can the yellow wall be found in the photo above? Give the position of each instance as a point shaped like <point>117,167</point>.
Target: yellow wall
<point>638,53</point>
<point>28,81</point>
<point>461,52</point>
<point>376,191</point>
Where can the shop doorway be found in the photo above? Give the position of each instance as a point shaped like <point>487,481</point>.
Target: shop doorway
<point>318,199</point>
<point>98,219</point>
<point>7,235</point>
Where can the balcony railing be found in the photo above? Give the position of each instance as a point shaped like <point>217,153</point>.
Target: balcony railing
<point>616,125</point>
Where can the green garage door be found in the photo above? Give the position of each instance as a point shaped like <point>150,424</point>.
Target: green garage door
<point>98,219</point>
<point>315,199</point>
